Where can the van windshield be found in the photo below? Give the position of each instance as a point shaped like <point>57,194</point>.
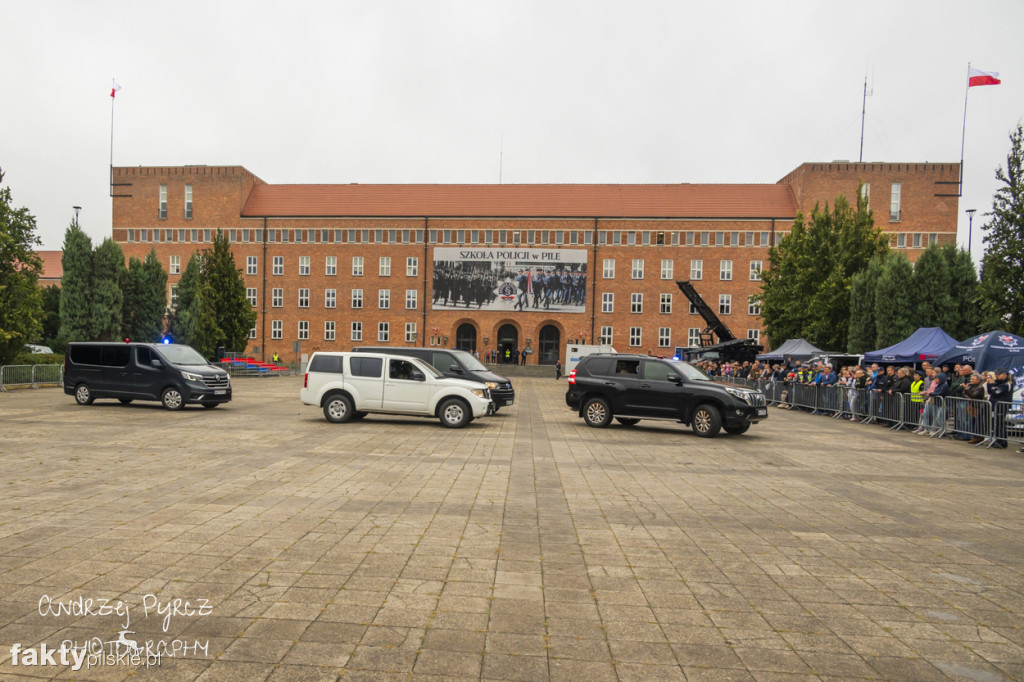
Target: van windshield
<point>471,363</point>
<point>179,354</point>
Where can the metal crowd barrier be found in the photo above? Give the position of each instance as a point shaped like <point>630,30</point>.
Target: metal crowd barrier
<point>30,375</point>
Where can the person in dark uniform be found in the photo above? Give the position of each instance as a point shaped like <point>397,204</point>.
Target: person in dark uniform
<point>558,370</point>
<point>523,354</point>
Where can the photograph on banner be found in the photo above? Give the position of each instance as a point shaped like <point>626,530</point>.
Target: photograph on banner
<point>510,280</point>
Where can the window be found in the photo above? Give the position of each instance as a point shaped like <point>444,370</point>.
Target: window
<point>250,295</point>
<point>693,337</point>
<point>175,265</point>
<point>645,238</point>
<point>331,266</point>
<point>303,298</point>
<point>410,332</point>
<point>725,270</point>
<point>357,266</point>
<point>608,302</point>
<point>635,336</point>
<point>755,270</point>
<point>251,265</point>
<point>277,329</point>
<point>692,309</point>
<point>719,238</point>
<point>278,265</point>
<point>252,333</point>
<point>329,330</point>
<point>366,367</point>
<point>188,201</point>
<point>608,271</point>
<point>174,296</point>
<point>901,241</point>
<point>162,209</point>
<point>666,303</point>
<point>384,298</point>
<point>631,238</point>
<point>636,303</point>
<point>277,298</point>
<point>357,331</point>
<point>865,194</point>
<point>411,302</point>
<point>696,269</point>
<point>357,298</point>
<point>917,240</point>
<point>725,304</point>
<point>664,337</point>
<point>894,203</point>
<point>754,334</point>
<point>933,238</point>
<point>303,265</point>
<point>606,336</point>
<point>660,241</point>
<point>638,267</point>
<point>385,266</point>
<point>383,331</point>
<point>753,307</point>
<point>330,298</point>
<point>666,268</point>
<point>412,266</point>
<point>303,330</point>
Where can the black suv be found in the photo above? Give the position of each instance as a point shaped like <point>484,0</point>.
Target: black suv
<point>634,387</point>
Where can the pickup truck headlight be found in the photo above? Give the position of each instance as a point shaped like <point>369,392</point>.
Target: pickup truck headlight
<point>482,393</point>
<point>189,376</point>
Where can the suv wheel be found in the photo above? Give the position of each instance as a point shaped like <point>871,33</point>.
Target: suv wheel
<point>83,396</point>
<point>171,399</point>
<point>597,413</point>
<point>454,413</point>
<point>627,421</point>
<point>337,408</point>
<point>737,430</point>
<point>706,421</point>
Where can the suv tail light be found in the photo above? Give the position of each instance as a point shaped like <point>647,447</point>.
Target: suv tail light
<point>305,380</point>
<point>572,376</point>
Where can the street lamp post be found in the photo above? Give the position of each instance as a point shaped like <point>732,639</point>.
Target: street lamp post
<point>77,209</point>
<point>970,226</point>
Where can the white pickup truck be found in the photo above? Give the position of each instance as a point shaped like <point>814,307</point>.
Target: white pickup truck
<point>352,385</point>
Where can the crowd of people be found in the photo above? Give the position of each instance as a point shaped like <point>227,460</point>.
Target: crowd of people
<point>926,387</point>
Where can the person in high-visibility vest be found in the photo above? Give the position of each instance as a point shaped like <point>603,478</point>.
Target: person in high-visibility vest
<point>917,396</point>
<point>508,354</point>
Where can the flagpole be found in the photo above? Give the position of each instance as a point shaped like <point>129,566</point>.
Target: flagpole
<point>963,133</point>
<point>112,143</point>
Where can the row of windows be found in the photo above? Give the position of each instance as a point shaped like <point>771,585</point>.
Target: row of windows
<point>668,267</point>
<point>162,206</point>
<point>384,333</point>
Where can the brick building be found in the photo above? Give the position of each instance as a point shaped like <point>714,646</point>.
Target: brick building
<point>335,266</point>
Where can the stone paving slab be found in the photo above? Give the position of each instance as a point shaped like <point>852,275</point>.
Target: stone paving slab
<point>525,547</point>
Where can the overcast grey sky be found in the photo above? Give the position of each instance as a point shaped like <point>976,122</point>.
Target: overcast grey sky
<point>563,92</point>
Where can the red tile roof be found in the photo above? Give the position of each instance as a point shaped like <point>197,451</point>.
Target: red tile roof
<point>53,269</point>
<point>514,201</point>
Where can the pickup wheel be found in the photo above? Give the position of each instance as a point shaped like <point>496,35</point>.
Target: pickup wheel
<point>454,413</point>
<point>737,430</point>
<point>706,421</point>
<point>597,413</point>
<point>627,421</point>
<point>337,408</point>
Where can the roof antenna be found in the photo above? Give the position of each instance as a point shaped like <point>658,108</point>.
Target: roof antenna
<point>863,111</point>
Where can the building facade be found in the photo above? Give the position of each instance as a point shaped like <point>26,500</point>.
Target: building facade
<point>502,268</point>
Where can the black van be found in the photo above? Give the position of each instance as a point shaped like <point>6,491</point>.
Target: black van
<point>457,364</point>
<point>172,373</point>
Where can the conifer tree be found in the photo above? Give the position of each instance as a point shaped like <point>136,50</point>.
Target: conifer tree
<point>193,320</point>
<point>108,284</point>
<point>76,283</point>
<point>1002,269</point>
<point>145,301</point>
<point>931,294</point>
<point>234,315</point>
<point>963,317</point>
<point>893,301</point>
<point>863,332</point>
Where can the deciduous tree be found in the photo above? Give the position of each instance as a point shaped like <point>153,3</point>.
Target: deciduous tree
<point>20,266</point>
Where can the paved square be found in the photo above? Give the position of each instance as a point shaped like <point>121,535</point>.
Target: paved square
<point>525,547</point>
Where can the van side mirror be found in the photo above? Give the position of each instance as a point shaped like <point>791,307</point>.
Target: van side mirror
<point>674,378</point>
<point>156,363</point>
<point>417,376</point>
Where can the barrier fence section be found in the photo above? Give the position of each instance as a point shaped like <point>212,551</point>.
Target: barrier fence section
<point>30,375</point>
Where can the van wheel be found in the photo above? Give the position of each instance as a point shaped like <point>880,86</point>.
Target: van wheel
<point>627,421</point>
<point>454,413</point>
<point>172,399</point>
<point>597,413</point>
<point>337,408</point>
<point>737,430</point>
<point>124,401</point>
<point>83,396</point>
<point>706,421</point>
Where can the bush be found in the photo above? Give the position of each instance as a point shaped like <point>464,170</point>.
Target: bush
<point>39,359</point>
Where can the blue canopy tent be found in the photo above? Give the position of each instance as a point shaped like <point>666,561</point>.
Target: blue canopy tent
<point>927,343</point>
<point>798,349</point>
<point>985,352</point>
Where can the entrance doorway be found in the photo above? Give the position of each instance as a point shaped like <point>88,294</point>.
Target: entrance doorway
<point>465,337</point>
<point>550,340</point>
<point>508,344</point>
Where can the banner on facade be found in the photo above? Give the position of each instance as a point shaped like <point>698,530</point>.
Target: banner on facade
<point>510,279</point>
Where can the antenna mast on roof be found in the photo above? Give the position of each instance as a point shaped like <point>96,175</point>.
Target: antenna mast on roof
<point>863,111</point>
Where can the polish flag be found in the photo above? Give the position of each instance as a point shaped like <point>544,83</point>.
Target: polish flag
<point>117,87</point>
<point>979,77</point>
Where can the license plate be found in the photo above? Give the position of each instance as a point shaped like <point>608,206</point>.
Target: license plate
<point>508,402</point>
<point>221,392</point>
<point>762,412</point>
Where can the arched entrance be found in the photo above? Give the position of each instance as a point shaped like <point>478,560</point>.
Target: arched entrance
<point>508,343</point>
<point>550,340</point>
<point>465,337</point>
